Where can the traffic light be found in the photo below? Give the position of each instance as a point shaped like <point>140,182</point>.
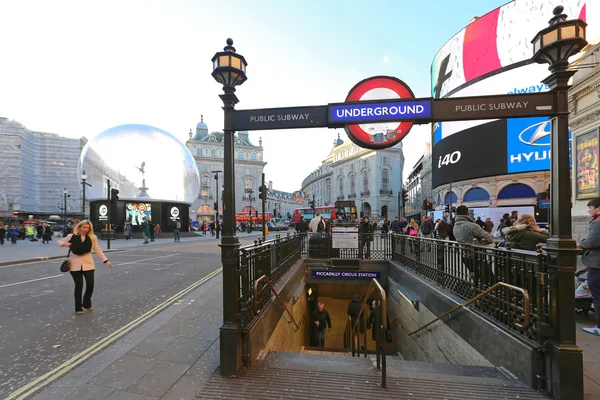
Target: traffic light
<point>262,192</point>
<point>427,205</point>
<point>447,209</point>
<point>114,195</point>
<point>404,196</point>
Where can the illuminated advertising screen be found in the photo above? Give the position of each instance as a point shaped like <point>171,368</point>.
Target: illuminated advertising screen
<point>135,213</point>
<point>587,165</point>
<point>492,56</point>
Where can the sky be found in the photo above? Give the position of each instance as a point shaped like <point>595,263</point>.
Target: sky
<point>77,68</point>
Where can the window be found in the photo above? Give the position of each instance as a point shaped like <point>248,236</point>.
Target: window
<point>248,171</point>
<point>199,151</point>
<point>352,184</point>
<point>340,186</point>
<point>205,187</point>
<point>240,155</point>
<point>351,167</point>
<point>213,153</point>
<point>385,160</point>
<point>253,156</point>
<point>385,179</point>
<point>365,181</point>
<point>363,163</point>
<point>248,182</point>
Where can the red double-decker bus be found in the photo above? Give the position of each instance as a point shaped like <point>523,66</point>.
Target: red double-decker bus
<point>325,211</point>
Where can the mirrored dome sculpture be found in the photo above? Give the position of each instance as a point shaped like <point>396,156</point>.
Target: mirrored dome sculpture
<point>142,162</point>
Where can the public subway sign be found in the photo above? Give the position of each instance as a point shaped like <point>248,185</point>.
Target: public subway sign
<point>380,111</point>
<point>346,274</point>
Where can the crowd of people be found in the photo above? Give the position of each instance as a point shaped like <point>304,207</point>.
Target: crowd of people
<point>33,232</point>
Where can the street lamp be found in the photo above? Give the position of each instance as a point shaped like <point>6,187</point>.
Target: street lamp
<point>554,45</point>
<point>217,227</point>
<point>65,195</point>
<point>84,183</point>
<point>249,191</point>
<point>229,69</point>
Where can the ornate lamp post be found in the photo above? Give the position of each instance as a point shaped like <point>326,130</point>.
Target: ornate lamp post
<point>217,227</point>
<point>84,183</point>
<point>229,69</point>
<point>554,45</point>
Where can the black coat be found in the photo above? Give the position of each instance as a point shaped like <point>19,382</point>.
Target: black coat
<point>353,310</point>
<point>366,231</point>
<point>322,317</point>
<point>302,226</point>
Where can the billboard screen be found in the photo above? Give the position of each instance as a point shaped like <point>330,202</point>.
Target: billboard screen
<point>491,56</point>
<point>135,212</point>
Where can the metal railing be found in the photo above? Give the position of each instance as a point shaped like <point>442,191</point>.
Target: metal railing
<point>380,321</point>
<point>272,259</point>
<point>260,301</point>
<point>469,271</point>
<point>374,246</point>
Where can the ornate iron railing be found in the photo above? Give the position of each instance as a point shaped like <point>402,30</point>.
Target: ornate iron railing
<point>271,259</point>
<point>374,246</point>
<point>468,270</point>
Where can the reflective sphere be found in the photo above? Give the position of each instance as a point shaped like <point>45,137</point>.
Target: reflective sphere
<point>141,161</point>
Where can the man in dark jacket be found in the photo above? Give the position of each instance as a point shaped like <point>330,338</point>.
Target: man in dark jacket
<point>465,229</point>
<point>395,225</point>
<point>302,228</point>
<point>591,260</point>
<point>426,226</point>
<point>365,238</point>
<point>403,225</point>
<point>354,308</point>
<point>321,320</point>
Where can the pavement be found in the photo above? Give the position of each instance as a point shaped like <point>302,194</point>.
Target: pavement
<point>170,351</point>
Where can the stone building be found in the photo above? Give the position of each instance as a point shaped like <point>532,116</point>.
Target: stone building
<point>281,204</point>
<point>419,187</point>
<point>372,178</point>
<point>207,149</point>
<point>36,168</point>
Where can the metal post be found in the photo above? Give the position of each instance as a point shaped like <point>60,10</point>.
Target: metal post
<point>109,211</point>
<point>567,357</point>
<point>450,201</point>
<point>83,205</point>
<point>217,225</point>
<point>65,206</point>
<point>264,200</point>
<point>230,333</point>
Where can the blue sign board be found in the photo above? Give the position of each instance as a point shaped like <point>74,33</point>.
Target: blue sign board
<point>346,274</point>
<point>364,112</point>
<point>544,203</point>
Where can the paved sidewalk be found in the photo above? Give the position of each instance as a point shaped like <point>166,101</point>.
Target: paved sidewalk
<point>26,251</point>
<point>591,357</point>
<point>170,357</point>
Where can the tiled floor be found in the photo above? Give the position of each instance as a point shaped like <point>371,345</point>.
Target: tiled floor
<point>338,311</point>
<point>591,358</point>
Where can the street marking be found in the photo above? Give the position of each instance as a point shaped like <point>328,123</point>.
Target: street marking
<point>57,372</point>
<point>31,280</point>
<point>147,259</point>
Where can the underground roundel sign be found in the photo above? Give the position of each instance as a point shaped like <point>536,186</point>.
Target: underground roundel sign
<point>384,134</point>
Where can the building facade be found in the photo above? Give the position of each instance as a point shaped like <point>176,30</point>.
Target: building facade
<point>584,105</point>
<point>207,149</point>
<point>281,204</point>
<point>36,168</point>
<point>372,178</point>
<point>419,188</point>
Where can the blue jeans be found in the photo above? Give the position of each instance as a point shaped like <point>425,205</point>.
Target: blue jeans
<point>176,235</point>
<point>593,280</point>
<point>320,336</point>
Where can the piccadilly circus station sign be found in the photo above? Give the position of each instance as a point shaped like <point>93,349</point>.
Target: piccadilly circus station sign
<point>380,111</point>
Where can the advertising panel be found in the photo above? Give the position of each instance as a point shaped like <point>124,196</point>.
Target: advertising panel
<point>171,213</point>
<point>474,153</point>
<point>587,165</point>
<point>528,144</point>
<point>135,212</point>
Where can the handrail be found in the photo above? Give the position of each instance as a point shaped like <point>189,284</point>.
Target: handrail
<point>383,303</point>
<point>526,307</point>
<point>266,278</point>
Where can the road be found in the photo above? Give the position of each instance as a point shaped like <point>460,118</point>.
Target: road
<point>38,327</point>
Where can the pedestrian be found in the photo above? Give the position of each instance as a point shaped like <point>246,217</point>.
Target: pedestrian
<point>127,230</point>
<point>81,243</point>
<point>591,260</point>
<point>2,234</point>
<point>395,225</point>
<point>322,320</point>
<point>157,231</point>
<point>365,231</point>
<point>176,231</point>
<point>427,227</point>
<point>354,309</point>
<point>442,229</point>
<point>151,226</point>
<point>13,233</point>
<point>316,224</point>
<point>489,226</point>
<point>465,228</point>
<point>302,228</point>
<point>212,228</point>
<point>479,222</point>
<point>46,233</point>
<point>525,234</point>
<point>514,217</point>
<point>145,230</point>
<point>384,226</point>
<point>40,228</point>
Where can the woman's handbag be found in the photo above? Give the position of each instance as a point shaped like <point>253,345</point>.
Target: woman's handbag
<point>66,265</point>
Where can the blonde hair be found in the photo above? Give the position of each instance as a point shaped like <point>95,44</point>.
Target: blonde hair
<point>91,234</point>
<point>527,219</point>
<point>413,224</point>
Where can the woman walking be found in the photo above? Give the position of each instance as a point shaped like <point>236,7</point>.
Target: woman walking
<point>81,243</point>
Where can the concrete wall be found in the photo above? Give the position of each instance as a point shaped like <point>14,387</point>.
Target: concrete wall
<point>439,344</point>
<point>449,340</point>
<point>284,338</point>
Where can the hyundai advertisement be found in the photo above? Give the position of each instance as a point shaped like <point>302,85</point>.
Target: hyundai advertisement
<point>492,56</point>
